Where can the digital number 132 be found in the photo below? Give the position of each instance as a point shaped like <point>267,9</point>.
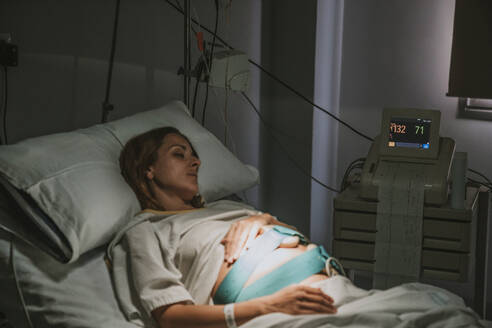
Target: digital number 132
<point>398,128</point>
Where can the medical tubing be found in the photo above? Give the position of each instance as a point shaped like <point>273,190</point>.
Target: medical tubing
<point>195,92</point>
<point>309,101</point>
<point>481,175</point>
<point>210,59</point>
<point>226,125</point>
<point>200,67</point>
<point>279,132</point>
<point>353,165</point>
<point>116,138</point>
<point>5,102</point>
<point>280,81</point>
<point>219,112</point>
<point>19,292</point>
<point>106,105</point>
<point>186,54</point>
<point>205,104</point>
<point>285,150</point>
<point>339,269</point>
<point>214,34</point>
<point>481,183</point>
<point>221,116</point>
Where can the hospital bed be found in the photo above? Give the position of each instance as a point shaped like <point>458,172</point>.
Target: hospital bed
<point>62,199</point>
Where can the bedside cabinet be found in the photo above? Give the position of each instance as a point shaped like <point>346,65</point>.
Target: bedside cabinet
<point>448,245</point>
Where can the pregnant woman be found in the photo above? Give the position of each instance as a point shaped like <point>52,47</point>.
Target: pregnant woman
<point>184,276</point>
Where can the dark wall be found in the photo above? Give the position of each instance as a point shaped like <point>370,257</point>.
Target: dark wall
<point>288,50</point>
<point>60,82</point>
<point>397,54</point>
<point>64,48</point>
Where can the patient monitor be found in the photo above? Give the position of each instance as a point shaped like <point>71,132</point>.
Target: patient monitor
<point>410,136</point>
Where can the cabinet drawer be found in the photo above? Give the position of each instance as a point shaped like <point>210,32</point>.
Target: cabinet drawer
<point>354,226</point>
<point>435,264</point>
<point>437,233</point>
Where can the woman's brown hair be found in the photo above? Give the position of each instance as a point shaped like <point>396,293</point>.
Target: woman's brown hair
<point>139,153</point>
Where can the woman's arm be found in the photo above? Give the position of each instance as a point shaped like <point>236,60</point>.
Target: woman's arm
<point>294,299</point>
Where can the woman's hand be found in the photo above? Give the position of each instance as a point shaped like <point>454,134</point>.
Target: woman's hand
<point>299,299</point>
<point>243,232</point>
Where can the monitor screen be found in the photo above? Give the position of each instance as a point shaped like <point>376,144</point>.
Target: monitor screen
<point>409,133</point>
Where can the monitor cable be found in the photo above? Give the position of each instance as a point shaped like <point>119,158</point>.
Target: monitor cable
<point>263,121</point>
<point>283,148</point>
<point>207,62</point>
<point>5,103</point>
<point>199,68</point>
<point>201,47</point>
<point>357,164</point>
<point>487,183</point>
<point>106,105</point>
<point>210,60</point>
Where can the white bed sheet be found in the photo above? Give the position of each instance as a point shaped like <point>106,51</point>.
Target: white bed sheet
<point>405,306</point>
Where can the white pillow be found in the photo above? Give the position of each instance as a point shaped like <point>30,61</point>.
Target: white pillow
<point>75,178</point>
<point>221,173</point>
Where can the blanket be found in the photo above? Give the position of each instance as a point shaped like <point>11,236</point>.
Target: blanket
<point>409,305</point>
<point>404,306</point>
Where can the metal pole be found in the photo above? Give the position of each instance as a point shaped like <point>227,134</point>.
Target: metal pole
<point>187,59</point>
<point>106,105</point>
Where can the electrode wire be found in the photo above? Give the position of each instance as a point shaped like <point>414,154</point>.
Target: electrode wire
<point>5,104</point>
<point>283,148</point>
<point>107,107</point>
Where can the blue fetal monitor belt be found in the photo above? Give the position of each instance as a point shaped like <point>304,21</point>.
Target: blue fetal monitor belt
<point>294,271</point>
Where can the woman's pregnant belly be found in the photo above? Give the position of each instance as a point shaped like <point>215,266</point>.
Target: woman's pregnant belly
<point>270,263</point>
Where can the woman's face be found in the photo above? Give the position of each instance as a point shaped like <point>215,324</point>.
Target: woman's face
<point>175,171</point>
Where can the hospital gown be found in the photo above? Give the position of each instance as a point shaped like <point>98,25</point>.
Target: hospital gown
<point>165,260</point>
